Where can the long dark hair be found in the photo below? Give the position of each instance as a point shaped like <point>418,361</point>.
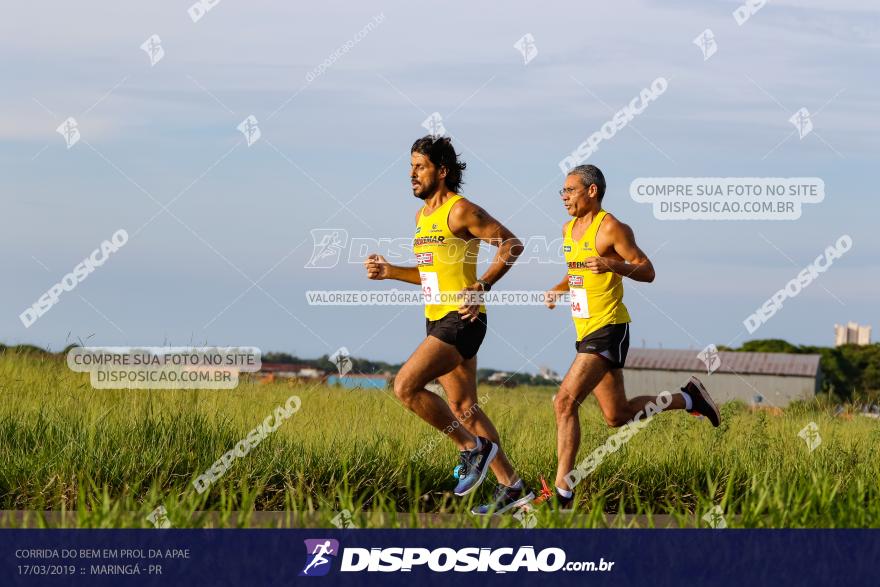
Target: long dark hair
<point>442,154</point>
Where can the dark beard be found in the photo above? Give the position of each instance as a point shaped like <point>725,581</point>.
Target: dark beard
<point>427,192</point>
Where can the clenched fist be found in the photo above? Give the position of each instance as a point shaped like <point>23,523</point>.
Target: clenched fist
<point>551,297</point>
<point>377,267</point>
<point>598,265</point>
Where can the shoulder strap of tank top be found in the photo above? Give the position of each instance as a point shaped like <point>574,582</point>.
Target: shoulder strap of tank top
<point>597,222</point>
<point>451,202</point>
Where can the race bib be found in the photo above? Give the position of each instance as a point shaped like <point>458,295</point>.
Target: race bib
<point>579,307</point>
<point>430,286</point>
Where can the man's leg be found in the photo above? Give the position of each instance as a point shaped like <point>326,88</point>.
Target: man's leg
<point>460,385</point>
<point>586,371</point>
<point>432,359</point>
<point>618,410</point>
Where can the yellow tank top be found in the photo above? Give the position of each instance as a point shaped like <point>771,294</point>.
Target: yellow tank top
<point>596,300</point>
<point>447,264</point>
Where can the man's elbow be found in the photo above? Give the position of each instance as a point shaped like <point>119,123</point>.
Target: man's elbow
<point>514,248</point>
<point>649,274</point>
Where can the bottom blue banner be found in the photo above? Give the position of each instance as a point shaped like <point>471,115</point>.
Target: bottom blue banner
<point>392,557</point>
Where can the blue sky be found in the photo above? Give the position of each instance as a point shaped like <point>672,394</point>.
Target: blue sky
<point>242,214</point>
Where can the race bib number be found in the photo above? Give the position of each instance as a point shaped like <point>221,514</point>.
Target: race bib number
<point>430,286</point>
<point>579,307</point>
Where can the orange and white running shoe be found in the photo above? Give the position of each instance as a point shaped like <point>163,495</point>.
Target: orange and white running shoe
<point>552,497</point>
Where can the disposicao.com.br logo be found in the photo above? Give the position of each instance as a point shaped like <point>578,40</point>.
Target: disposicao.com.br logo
<point>442,560</point>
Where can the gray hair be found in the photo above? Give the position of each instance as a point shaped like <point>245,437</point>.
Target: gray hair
<point>590,174</point>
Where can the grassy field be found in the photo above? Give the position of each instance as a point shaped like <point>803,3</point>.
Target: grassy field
<point>109,457</point>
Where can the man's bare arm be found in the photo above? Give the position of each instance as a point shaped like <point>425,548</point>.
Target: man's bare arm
<point>635,264</point>
<point>407,274</point>
<point>480,224</point>
<point>552,295</point>
<point>378,268</point>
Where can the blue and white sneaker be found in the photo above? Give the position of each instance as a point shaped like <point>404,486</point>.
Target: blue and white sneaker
<point>505,498</point>
<point>473,466</point>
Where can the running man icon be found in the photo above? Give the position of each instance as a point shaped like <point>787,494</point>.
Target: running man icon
<point>317,561</point>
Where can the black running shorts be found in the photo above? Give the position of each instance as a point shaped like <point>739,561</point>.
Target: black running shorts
<point>463,335</point>
<point>611,342</point>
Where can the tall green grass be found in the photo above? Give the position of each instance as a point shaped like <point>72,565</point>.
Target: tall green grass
<point>109,457</point>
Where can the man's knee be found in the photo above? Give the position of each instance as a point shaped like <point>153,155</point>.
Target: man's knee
<point>463,409</point>
<point>405,389</point>
<point>565,404</point>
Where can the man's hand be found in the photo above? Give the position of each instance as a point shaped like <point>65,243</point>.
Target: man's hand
<point>551,297</point>
<point>470,312</point>
<point>377,267</point>
<point>599,264</point>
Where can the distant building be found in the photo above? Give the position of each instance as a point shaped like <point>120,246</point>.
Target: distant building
<point>351,381</point>
<point>765,379</point>
<point>271,371</point>
<point>501,379</point>
<point>548,373</point>
<point>852,333</point>
<point>498,377</point>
